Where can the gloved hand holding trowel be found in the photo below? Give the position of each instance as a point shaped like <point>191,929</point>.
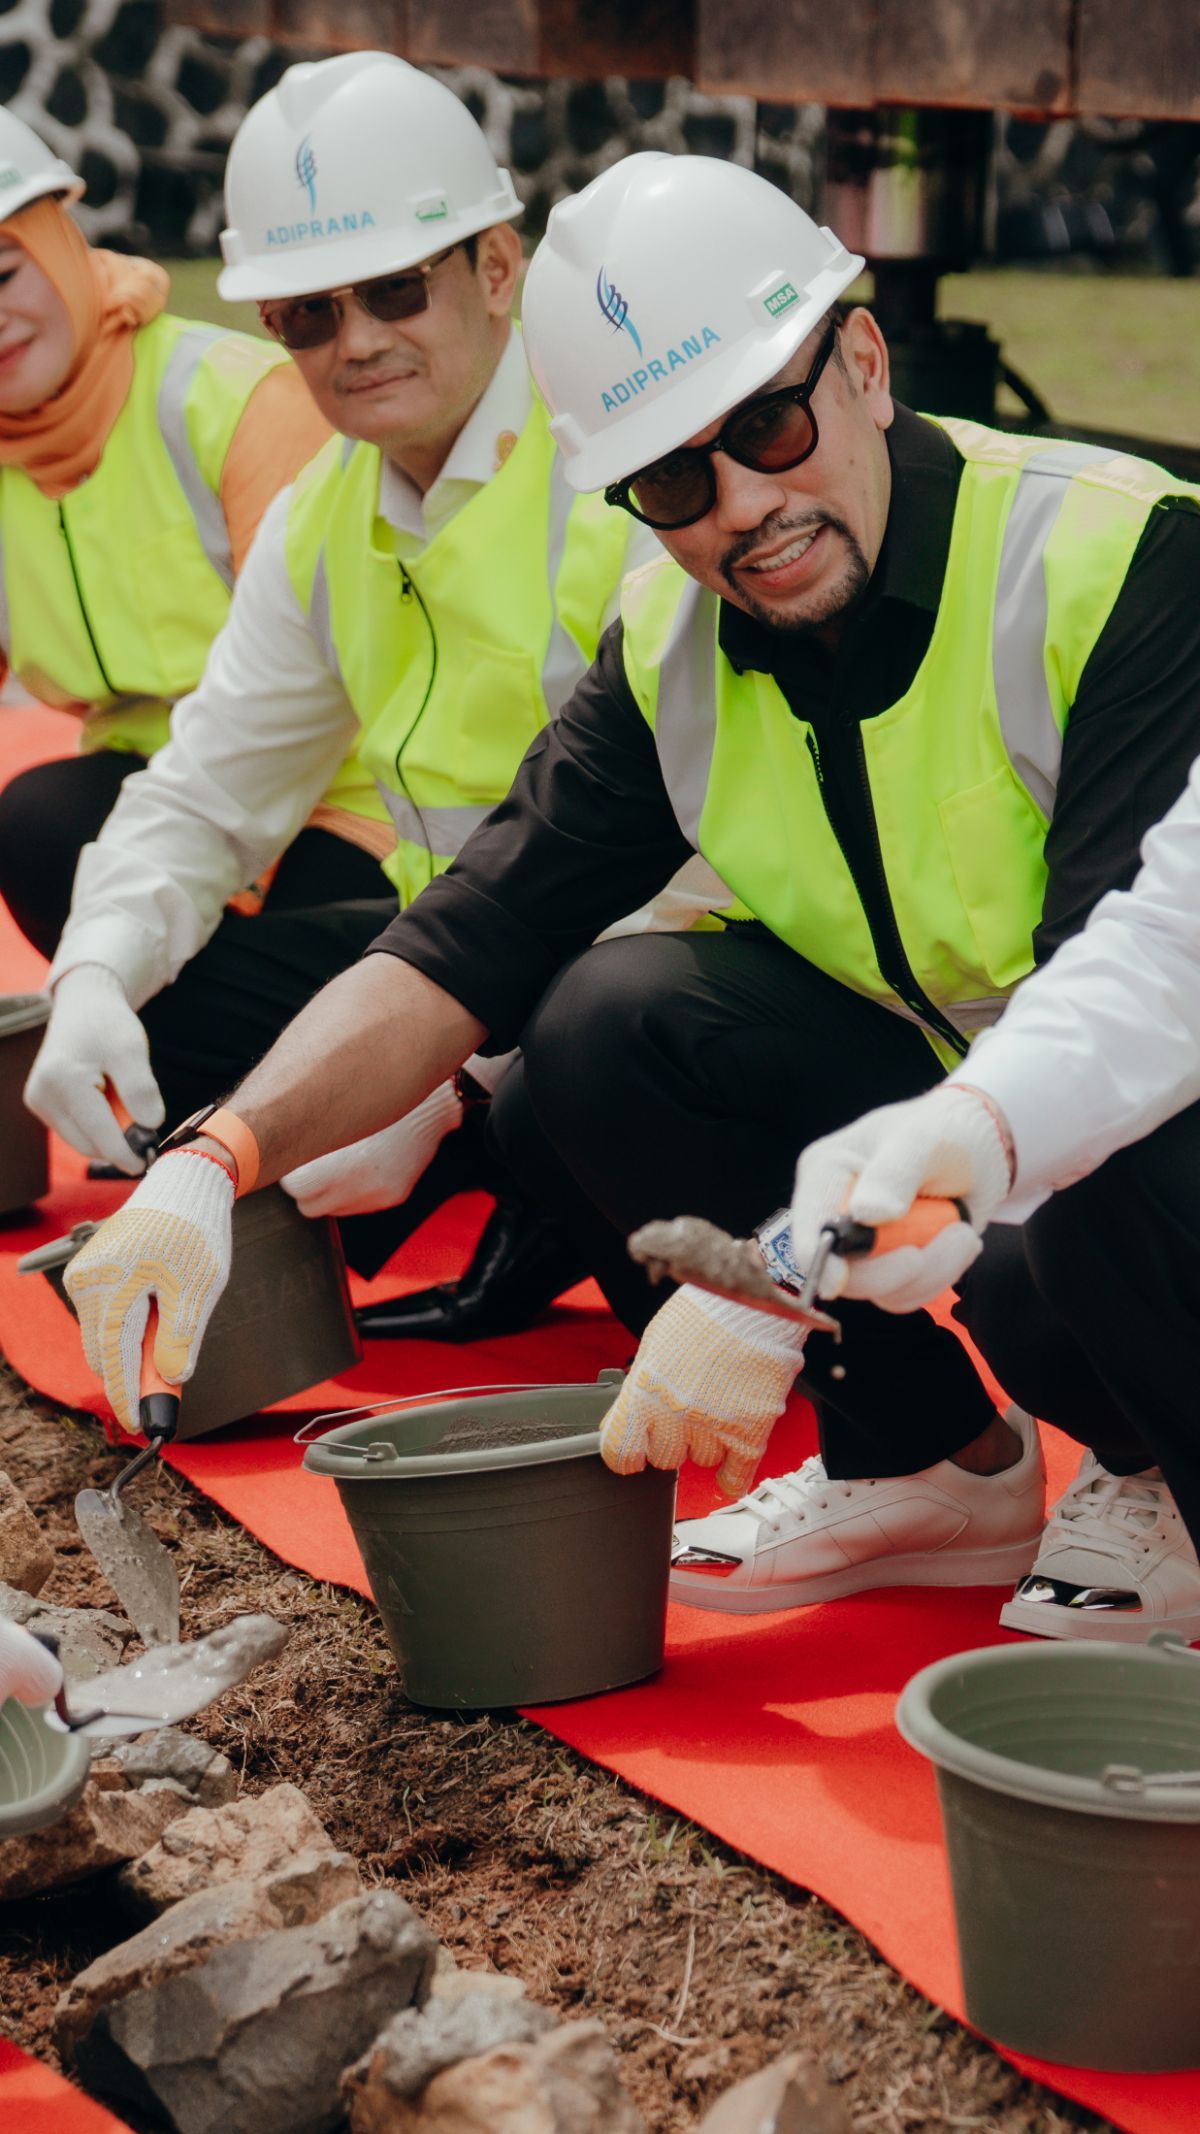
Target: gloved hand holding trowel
<point>952,1142</point>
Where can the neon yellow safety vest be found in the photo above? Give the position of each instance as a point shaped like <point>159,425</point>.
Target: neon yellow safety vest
<point>452,662</point>
<point>961,772</point>
<point>111,597</point>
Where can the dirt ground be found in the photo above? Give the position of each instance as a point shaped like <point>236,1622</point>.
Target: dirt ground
<point>521,1857</point>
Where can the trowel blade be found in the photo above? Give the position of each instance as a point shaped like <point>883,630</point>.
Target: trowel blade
<point>689,1249</point>
<point>134,1562</point>
<point>171,1683</point>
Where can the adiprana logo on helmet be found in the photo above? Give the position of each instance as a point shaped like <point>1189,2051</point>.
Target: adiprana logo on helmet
<point>654,370</point>
<point>289,233</point>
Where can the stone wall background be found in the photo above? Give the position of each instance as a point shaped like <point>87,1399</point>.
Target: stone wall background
<point>145,112</point>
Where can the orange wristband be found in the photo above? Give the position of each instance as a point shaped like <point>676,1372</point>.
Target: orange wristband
<point>236,1138</point>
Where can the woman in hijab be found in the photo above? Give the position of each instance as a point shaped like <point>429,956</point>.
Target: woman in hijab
<point>138,452</point>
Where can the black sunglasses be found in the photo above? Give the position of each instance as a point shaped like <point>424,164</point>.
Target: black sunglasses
<point>302,322</point>
<point>776,431</point>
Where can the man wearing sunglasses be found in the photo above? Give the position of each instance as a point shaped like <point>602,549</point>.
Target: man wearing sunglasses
<point>417,605</point>
<point>915,689</point>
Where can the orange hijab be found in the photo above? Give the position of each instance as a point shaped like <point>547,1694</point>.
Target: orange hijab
<point>107,297</point>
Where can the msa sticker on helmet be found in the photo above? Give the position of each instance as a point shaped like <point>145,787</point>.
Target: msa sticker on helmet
<point>431,207</point>
<point>781,299</point>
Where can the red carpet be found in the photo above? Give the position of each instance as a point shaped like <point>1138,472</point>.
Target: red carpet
<point>34,2100</point>
<point>775,1734</point>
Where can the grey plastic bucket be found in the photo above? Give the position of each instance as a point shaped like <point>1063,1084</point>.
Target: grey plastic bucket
<point>24,1145</point>
<point>1069,1783</point>
<point>283,1323</point>
<point>509,1564</point>
<point>42,1774</point>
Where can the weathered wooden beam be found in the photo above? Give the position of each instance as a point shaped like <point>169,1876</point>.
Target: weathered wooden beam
<point>1139,62</point>
<point>1051,57</point>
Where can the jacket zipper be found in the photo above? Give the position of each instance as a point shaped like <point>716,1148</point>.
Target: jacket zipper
<point>890,955</point>
<point>87,620</point>
<point>410,590</point>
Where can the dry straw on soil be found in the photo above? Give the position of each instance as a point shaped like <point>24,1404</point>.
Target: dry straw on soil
<point>521,1857</point>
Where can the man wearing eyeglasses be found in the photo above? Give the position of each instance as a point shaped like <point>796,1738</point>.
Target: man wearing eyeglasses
<point>417,605</point>
<point>915,690</point>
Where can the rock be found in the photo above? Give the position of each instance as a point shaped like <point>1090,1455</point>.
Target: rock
<point>791,2096</point>
<point>104,1827</point>
<point>564,2083</point>
<point>419,2042</point>
<point>242,1841</point>
<point>451,1984</point>
<point>26,1557</point>
<point>253,2038</point>
<point>294,1895</point>
<point>195,1765</point>
<point>90,1640</point>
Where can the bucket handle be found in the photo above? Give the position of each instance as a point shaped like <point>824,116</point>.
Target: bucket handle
<point>1130,1779</point>
<point>383,1451</point>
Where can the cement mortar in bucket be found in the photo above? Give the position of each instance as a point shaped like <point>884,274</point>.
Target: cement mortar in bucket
<point>509,1564</point>
<point>284,1321</point>
<point>1069,1783</point>
<point>24,1157</point>
<point>42,1774</point>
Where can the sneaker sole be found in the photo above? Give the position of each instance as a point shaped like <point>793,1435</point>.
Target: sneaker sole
<point>969,1567</point>
<point>1045,1619</point>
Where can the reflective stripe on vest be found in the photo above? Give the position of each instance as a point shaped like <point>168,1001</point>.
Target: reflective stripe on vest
<point>205,505</point>
<point>1031,735</point>
<point>442,831</point>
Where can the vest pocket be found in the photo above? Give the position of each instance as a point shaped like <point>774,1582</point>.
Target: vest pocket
<point>996,840</point>
<point>499,709</point>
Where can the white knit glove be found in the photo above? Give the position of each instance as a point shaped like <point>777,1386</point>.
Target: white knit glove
<point>27,1671</point>
<point>93,1036</point>
<point>170,1241</point>
<point>709,1382</point>
<point>949,1142</point>
<point>380,1171</point>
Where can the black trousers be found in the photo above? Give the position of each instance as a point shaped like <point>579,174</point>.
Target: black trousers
<point>326,901</point>
<point>683,1073</point>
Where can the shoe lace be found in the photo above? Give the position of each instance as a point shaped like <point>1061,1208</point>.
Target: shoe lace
<point>1096,1501</point>
<point>806,1488</point>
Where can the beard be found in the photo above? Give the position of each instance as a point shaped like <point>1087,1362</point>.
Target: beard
<point>834,600</point>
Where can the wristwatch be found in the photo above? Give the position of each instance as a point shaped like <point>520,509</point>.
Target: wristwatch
<point>774,1240</point>
<point>214,1123</point>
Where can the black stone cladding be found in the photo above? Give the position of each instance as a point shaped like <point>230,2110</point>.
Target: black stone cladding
<point>145,111</point>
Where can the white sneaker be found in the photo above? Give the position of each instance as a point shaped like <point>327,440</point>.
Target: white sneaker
<point>1115,1562</point>
<point>802,1538</point>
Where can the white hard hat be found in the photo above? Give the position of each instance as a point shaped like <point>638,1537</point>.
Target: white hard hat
<point>350,168</point>
<point>29,170</point>
<point>668,290</point>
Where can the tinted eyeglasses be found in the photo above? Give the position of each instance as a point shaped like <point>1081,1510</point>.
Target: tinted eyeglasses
<point>776,431</point>
<point>302,322</point>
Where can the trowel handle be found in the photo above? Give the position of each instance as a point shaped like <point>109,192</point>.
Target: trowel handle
<point>158,1402</point>
<point>919,1226</point>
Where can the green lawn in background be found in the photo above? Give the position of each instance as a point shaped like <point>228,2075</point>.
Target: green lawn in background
<point>1106,351</point>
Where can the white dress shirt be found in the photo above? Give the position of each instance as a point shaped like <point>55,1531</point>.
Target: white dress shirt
<point>1103,1043</point>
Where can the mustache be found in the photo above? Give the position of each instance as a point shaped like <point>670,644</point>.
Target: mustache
<point>353,375</point>
<point>776,529</point>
